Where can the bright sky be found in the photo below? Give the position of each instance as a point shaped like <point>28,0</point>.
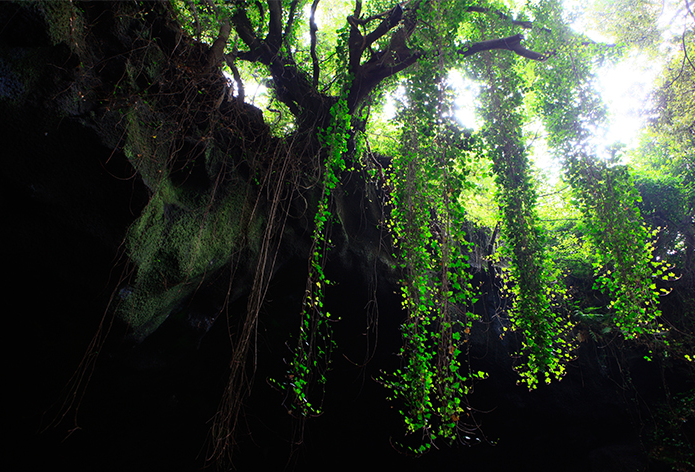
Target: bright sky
<point>624,87</point>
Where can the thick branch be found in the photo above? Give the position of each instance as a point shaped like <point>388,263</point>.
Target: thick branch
<point>358,43</point>
<point>274,37</point>
<point>244,29</point>
<point>364,21</point>
<point>312,31</point>
<point>216,51</point>
<point>355,45</point>
<point>510,43</point>
<point>292,86</point>
<point>685,48</point>
<point>385,26</point>
<point>290,23</point>
<point>358,9</point>
<point>194,12</point>
<point>386,64</point>
<point>299,92</point>
<point>229,59</point>
<point>687,6</point>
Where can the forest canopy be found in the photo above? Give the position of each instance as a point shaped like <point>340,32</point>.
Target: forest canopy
<point>258,111</point>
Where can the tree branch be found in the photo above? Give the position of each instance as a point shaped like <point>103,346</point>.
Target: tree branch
<point>292,86</point>
<point>510,43</point>
<point>300,92</point>
<point>216,51</point>
<point>244,29</point>
<point>312,31</point>
<point>274,37</point>
<point>290,23</point>
<point>358,9</point>
<point>364,21</point>
<point>358,43</point>
<point>229,59</point>
<point>194,12</point>
<point>687,6</point>
<point>385,26</point>
<point>390,62</point>
<point>685,49</point>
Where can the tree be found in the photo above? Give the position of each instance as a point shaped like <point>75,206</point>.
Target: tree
<point>224,185</point>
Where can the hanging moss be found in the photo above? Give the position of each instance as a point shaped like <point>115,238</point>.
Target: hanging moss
<point>175,248</point>
<point>65,23</point>
<point>185,233</point>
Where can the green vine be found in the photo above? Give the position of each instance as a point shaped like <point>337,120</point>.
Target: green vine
<point>531,280</point>
<point>626,268</point>
<point>311,356</point>
<point>436,288</point>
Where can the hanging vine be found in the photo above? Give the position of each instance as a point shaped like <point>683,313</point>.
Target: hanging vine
<point>436,290</point>
<point>311,355</point>
<point>626,269</point>
<point>535,294</point>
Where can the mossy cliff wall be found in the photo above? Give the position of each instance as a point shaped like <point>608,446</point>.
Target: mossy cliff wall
<point>128,77</point>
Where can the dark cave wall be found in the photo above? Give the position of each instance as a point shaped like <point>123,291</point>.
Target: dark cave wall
<point>71,194</point>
